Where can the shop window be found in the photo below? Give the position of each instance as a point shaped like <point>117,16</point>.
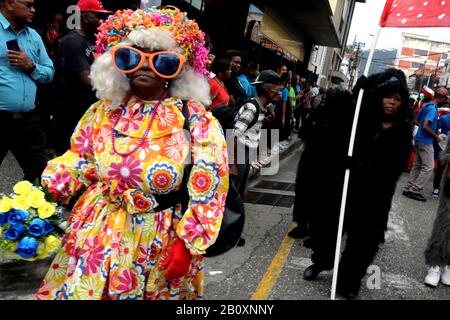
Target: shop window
<point>198,4</point>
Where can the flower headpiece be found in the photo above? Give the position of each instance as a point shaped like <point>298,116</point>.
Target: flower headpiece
<point>185,32</point>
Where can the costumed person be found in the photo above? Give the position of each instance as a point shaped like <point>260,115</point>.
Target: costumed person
<point>437,253</point>
<point>382,146</point>
<point>127,153</point>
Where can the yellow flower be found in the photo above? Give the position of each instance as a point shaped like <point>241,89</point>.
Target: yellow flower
<point>22,187</point>
<point>46,210</point>
<point>52,243</point>
<point>21,202</point>
<point>6,204</point>
<point>42,251</point>
<point>37,198</point>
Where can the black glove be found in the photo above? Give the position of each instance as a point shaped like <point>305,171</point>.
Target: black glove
<point>362,83</point>
<point>348,162</point>
<point>447,188</point>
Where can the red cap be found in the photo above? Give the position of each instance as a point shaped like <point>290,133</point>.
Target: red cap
<point>91,6</point>
<point>429,93</point>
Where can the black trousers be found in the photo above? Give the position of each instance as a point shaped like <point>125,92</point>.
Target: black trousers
<point>22,134</point>
<point>361,247</point>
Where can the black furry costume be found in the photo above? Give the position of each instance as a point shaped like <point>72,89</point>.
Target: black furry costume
<point>379,157</point>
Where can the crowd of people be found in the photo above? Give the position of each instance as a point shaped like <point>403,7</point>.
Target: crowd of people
<point>114,101</point>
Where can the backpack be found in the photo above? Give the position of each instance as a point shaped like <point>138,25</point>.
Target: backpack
<point>227,115</point>
<point>233,216</point>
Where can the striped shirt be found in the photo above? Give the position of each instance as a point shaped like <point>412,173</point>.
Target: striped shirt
<point>249,136</point>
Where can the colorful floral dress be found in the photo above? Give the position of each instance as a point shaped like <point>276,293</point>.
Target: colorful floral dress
<point>115,241</point>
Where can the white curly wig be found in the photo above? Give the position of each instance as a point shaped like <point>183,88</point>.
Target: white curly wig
<point>113,85</point>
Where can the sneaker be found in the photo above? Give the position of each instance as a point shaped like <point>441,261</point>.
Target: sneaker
<point>445,276</point>
<point>433,276</point>
<point>264,161</point>
<point>435,193</point>
<point>415,196</point>
<point>256,165</point>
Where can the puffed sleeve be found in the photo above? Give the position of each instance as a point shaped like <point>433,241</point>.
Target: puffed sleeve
<point>208,181</point>
<point>75,169</point>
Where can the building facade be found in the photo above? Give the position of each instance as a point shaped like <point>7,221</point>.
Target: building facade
<point>326,61</point>
<point>421,59</point>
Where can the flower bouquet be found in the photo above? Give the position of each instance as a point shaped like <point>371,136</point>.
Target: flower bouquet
<point>31,224</point>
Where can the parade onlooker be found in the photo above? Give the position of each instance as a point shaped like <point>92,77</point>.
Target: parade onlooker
<point>381,151</point>
<point>437,253</point>
<point>52,32</point>
<point>284,113</point>
<point>25,64</point>
<point>73,64</point>
<point>235,89</point>
<point>128,151</point>
<point>267,86</point>
<point>248,77</point>
<point>282,69</point>
<point>218,91</point>
<point>444,128</point>
<point>424,152</point>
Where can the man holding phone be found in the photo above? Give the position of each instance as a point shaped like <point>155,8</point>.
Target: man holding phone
<point>24,63</point>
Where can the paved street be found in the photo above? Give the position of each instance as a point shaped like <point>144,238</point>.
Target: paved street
<point>252,271</point>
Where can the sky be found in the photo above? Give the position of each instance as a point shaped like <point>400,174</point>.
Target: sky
<point>365,22</point>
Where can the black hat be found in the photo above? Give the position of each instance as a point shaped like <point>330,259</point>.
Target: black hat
<point>268,76</point>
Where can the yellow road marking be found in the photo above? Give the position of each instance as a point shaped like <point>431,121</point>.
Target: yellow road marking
<point>269,280</point>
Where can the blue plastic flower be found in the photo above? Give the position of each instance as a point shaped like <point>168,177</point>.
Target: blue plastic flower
<point>17,216</point>
<point>48,227</point>
<point>14,232</point>
<point>27,248</point>
<point>3,218</point>
<point>37,227</point>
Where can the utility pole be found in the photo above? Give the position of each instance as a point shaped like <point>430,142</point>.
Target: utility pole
<point>423,75</point>
<point>354,61</point>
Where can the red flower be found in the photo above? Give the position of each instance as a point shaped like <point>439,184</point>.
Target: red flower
<point>201,181</point>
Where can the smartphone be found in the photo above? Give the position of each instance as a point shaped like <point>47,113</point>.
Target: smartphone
<point>13,45</point>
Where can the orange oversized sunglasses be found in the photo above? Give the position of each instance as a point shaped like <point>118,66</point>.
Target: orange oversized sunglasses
<point>165,64</point>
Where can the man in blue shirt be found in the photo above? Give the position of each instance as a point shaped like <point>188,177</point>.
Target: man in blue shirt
<point>423,165</point>
<point>20,71</point>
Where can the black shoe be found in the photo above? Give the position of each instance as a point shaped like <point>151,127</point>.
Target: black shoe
<point>349,296</point>
<point>241,242</point>
<point>406,193</point>
<point>299,232</point>
<point>415,196</point>
<point>312,272</point>
<point>307,243</point>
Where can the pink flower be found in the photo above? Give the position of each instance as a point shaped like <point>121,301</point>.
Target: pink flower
<point>131,120</point>
<point>93,253</point>
<point>194,228</point>
<point>218,204</point>
<point>126,172</point>
<point>127,282</point>
<point>83,143</point>
<point>43,292</point>
<point>61,181</point>
<point>200,131</point>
